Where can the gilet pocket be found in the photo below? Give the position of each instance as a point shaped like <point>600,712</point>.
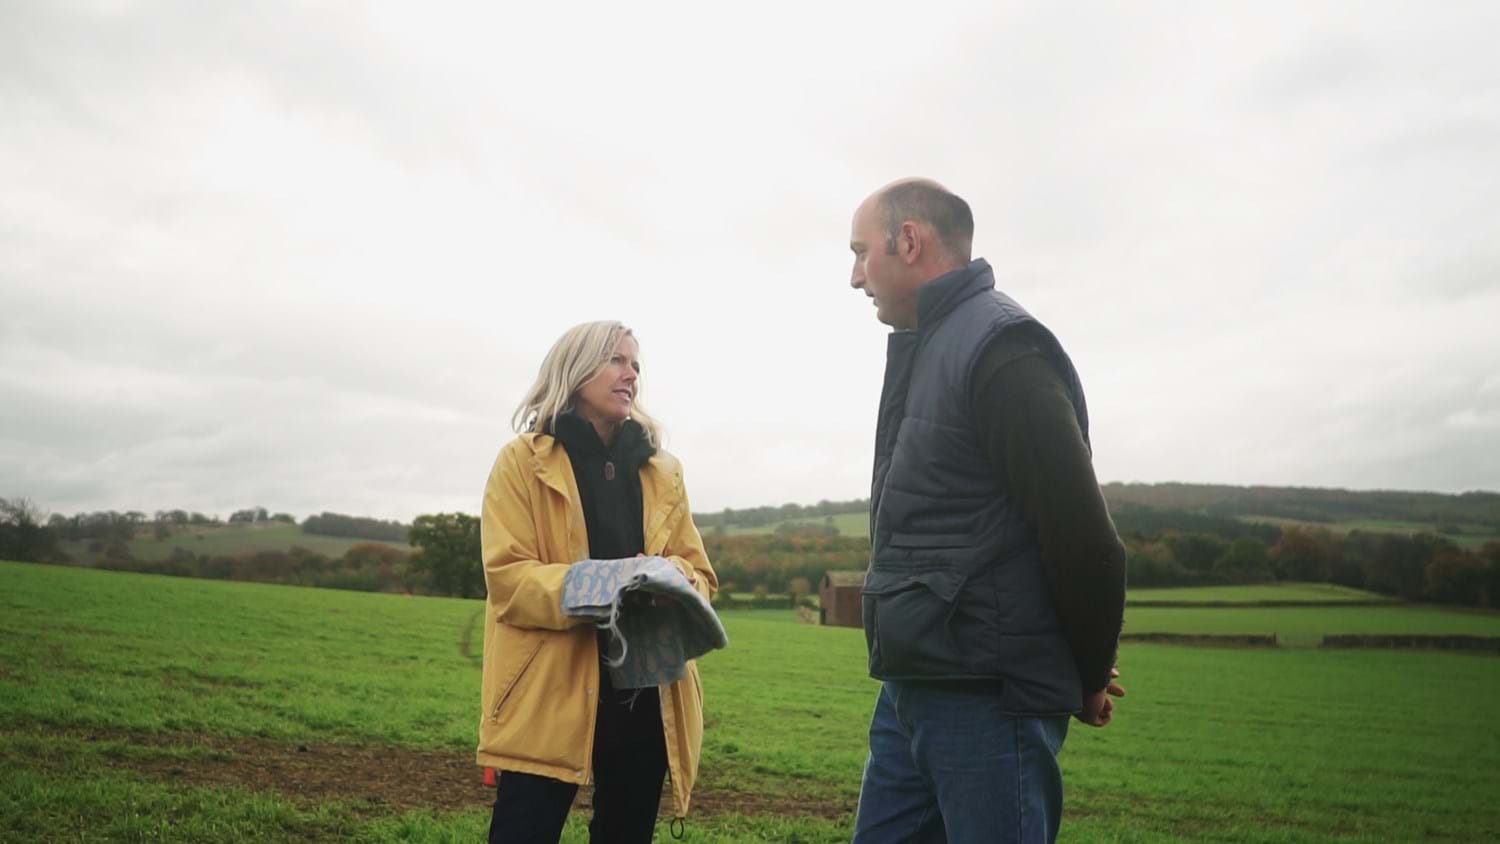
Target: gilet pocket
<point>908,623</point>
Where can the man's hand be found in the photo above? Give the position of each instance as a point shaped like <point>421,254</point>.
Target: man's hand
<point>1098,709</point>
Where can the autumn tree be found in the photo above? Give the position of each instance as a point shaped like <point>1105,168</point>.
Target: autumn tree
<point>23,535</point>
<point>1245,559</point>
<point>1454,578</point>
<point>1198,552</point>
<point>1306,554</point>
<point>449,553</point>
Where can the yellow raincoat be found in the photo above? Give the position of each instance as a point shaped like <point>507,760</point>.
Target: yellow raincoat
<point>541,669</point>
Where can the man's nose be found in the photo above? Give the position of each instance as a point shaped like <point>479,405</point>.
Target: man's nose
<point>857,280</point>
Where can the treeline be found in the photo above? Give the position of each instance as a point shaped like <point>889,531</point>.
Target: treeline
<point>446,560</point>
<point>762,516</point>
<point>107,525</point>
<point>1174,549</point>
<point>22,535</point>
<point>26,535</point>
<point>258,515</point>
<point>1452,514</point>
<point>773,562</point>
<point>365,567</point>
<point>1132,520</point>
<point>110,526</point>
<point>354,527</point>
<point>1412,567</point>
<point>1163,548</point>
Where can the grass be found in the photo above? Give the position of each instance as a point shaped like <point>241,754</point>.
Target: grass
<point>1285,592</point>
<point>1211,744</point>
<point>229,540</point>
<point>150,653</point>
<point>848,524</point>
<point>76,804</point>
<point>1306,626</point>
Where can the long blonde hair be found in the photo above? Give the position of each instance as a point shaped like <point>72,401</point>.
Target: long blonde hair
<point>573,361</point>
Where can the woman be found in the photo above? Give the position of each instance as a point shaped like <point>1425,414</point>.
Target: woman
<point>584,479</point>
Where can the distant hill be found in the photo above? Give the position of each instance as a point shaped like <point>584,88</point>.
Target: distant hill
<point>355,527</point>
<point>1470,518</point>
<point>772,515</point>
<point>228,540</point>
<point>1312,504</point>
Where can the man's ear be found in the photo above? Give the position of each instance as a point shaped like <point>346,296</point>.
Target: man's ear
<point>909,242</point>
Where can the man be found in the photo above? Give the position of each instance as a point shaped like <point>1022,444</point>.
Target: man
<point>996,588</point>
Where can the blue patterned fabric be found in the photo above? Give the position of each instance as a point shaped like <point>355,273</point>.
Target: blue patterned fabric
<point>657,620</point>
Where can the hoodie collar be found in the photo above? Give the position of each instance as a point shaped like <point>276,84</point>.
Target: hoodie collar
<point>631,446</point>
<point>553,467</point>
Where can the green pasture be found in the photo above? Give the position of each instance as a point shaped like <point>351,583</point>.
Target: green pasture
<point>1306,626</point>
<point>1302,592</point>
<point>153,653</point>
<point>229,540</point>
<point>1211,744</point>
<point>848,524</point>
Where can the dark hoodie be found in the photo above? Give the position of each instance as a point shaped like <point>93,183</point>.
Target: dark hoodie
<point>609,484</point>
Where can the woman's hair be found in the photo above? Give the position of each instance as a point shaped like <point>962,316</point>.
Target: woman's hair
<point>573,361</point>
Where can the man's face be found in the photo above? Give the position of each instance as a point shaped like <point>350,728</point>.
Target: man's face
<point>884,277</point>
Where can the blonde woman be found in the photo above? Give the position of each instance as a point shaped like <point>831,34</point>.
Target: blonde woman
<point>584,479</point>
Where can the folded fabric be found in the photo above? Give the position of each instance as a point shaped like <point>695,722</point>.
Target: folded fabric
<point>656,619</point>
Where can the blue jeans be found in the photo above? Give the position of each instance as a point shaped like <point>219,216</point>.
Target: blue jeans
<point>946,765</point>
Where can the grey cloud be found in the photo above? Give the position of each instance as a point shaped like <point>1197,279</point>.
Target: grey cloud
<point>1459,277</point>
<point>1329,66</point>
<point>299,444</point>
<point>1243,224</point>
<point>315,59</point>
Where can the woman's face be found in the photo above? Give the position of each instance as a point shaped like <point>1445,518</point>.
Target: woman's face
<point>606,399</point>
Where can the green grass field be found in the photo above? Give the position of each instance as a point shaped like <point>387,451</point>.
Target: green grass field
<point>130,703</point>
<point>1303,592</point>
<point>1306,626</point>
<point>848,524</point>
<point>229,540</point>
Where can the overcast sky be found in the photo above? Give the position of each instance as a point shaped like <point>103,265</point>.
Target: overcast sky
<point>309,256</point>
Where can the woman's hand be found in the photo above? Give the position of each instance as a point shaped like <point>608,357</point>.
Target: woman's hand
<point>692,579</point>
<point>692,576</point>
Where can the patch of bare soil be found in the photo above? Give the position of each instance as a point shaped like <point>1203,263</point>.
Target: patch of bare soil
<point>708,802</point>
<point>381,780</point>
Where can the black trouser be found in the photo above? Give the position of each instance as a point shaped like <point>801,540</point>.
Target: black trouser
<point>630,763</point>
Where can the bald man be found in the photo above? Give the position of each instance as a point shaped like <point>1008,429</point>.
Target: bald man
<point>996,587</point>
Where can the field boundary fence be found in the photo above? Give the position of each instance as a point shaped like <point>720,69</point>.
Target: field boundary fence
<point>1487,644</point>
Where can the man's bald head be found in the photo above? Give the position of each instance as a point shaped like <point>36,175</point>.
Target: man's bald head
<point>928,232</point>
<point>926,201</point>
